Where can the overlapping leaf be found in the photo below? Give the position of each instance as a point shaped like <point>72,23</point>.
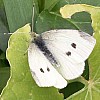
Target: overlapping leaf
<point>91,91</point>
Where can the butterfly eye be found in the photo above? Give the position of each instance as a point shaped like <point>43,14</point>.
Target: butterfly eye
<point>68,53</point>
<point>41,70</point>
<point>48,69</point>
<point>73,45</point>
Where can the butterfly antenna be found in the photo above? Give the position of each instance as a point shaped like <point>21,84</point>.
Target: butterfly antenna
<point>33,19</point>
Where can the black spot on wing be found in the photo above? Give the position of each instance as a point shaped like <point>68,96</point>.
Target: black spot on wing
<point>48,69</point>
<point>73,45</point>
<point>41,70</point>
<point>68,53</point>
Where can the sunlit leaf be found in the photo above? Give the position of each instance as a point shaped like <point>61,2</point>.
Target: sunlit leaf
<point>21,85</point>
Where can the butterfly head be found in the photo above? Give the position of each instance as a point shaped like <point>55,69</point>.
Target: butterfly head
<point>34,36</point>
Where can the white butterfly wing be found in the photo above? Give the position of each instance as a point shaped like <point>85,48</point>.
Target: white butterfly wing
<point>70,48</point>
<point>42,71</point>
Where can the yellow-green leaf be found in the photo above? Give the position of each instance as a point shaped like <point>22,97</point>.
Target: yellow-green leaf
<point>21,85</point>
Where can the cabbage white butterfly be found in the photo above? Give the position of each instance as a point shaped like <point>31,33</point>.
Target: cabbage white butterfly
<point>58,55</point>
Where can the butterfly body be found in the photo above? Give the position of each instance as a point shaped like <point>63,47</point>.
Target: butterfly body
<point>58,55</point>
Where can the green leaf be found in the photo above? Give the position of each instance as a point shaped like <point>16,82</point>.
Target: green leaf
<point>4,71</point>
<point>47,21</point>
<point>72,88</point>
<point>81,19</point>
<point>49,4</point>
<point>3,28</point>
<point>18,12</point>
<point>21,85</point>
<point>4,41</point>
<point>4,76</point>
<point>3,20</point>
<point>2,56</point>
<point>41,4</point>
<point>91,91</point>
<point>61,3</point>
<point>89,2</point>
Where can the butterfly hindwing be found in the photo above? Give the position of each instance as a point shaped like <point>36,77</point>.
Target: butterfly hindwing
<point>42,70</point>
<point>70,48</point>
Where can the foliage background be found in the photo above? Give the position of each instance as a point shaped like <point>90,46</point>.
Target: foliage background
<point>16,13</point>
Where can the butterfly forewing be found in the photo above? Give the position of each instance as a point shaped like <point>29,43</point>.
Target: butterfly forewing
<point>70,48</point>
